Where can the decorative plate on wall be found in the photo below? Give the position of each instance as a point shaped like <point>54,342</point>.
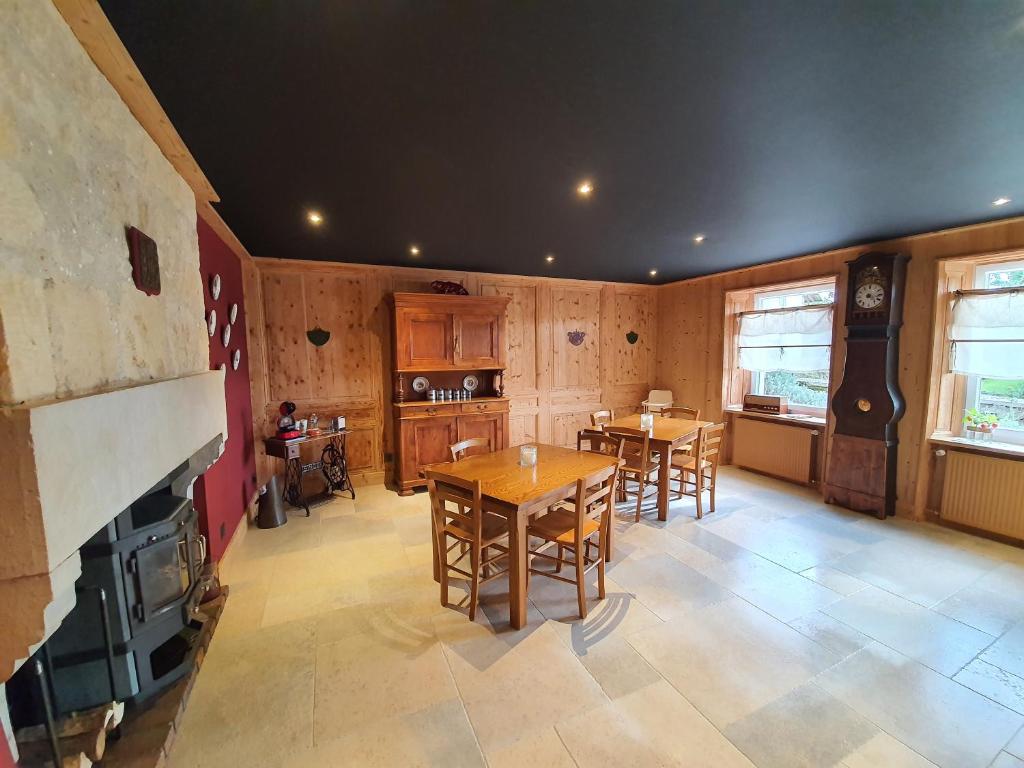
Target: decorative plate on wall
<point>222,367</point>
<point>471,382</point>
<point>233,313</point>
<point>420,384</point>
<point>215,287</point>
<point>236,358</point>
<point>225,335</point>
<point>211,322</point>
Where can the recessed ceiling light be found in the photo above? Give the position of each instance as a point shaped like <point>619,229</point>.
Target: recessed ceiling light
<point>414,250</point>
<point>653,273</point>
<point>698,239</point>
<point>585,188</point>
<point>1001,201</point>
<point>549,258</point>
<point>315,218</point>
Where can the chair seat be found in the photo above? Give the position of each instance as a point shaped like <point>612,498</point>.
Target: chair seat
<point>560,526</point>
<point>682,461</point>
<point>493,528</point>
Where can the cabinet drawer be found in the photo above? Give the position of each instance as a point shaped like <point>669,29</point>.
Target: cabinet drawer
<point>494,407</point>
<point>439,409</point>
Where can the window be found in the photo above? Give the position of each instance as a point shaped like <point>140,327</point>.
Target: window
<point>806,388</point>
<point>784,343</point>
<point>987,338</point>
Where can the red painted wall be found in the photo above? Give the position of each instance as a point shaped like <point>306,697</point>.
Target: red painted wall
<point>6,761</point>
<point>224,492</point>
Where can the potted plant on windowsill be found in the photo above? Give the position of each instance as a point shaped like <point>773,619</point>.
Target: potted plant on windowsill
<point>982,425</point>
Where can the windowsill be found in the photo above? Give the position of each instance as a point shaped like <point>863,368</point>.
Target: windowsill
<point>990,448</point>
<point>794,419</point>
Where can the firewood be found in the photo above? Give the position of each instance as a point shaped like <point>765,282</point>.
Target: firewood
<point>92,745</point>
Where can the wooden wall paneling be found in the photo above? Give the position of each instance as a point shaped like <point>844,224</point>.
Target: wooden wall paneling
<point>576,309</point>
<point>284,321</point>
<point>631,314</point>
<point>342,369</point>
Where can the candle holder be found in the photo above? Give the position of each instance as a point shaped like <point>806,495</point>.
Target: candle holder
<point>646,421</point>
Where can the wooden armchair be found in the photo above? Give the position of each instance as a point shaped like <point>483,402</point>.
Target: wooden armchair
<point>459,449</point>
<point>599,419</point>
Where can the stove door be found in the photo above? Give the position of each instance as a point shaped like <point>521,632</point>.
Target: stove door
<point>160,577</point>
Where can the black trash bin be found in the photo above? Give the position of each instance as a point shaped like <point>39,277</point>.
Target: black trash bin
<point>271,512</point>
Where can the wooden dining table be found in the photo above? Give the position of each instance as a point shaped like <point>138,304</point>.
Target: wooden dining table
<point>516,492</point>
<point>666,435</point>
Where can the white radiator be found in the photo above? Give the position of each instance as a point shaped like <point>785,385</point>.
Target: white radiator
<point>776,449</point>
<point>984,492</point>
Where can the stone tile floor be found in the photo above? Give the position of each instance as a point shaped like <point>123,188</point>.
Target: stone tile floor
<point>775,632</point>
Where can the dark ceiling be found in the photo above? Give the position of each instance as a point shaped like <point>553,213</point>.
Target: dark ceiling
<point>775,128</point>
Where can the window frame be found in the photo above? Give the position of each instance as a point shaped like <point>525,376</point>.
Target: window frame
<point>950,393</point>
<point>738,382</point>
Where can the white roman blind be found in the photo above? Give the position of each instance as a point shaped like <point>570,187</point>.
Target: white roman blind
<point>987,333</point>
<point>797,339</point>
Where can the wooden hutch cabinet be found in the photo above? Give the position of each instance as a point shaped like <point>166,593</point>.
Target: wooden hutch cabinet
<point>445,338</point>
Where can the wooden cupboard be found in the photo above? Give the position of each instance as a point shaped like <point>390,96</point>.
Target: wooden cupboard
<point>443,338</point>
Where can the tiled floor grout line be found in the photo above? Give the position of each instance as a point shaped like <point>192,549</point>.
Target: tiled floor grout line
<point>462,700</point>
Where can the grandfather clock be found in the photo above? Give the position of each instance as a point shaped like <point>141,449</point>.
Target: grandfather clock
<point>868,404</point>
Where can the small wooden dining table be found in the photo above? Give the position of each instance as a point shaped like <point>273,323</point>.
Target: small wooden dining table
<point>516,492</point>
<point>666,435</point>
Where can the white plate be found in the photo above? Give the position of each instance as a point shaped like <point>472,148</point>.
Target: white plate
<point>420,384</point>
<point>233,313</point>
<point>215,287</point>
<point>236,358</point>
<point>471,382</point>
<point>211,322</point>
<point>225,335</point>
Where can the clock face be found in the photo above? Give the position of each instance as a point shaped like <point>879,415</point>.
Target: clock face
<point>869,295</point>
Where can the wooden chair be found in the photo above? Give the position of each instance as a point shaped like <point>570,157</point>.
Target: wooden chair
<point>459,449</point>
<point>599,442</point>
<point>457,510</point>
<point>679,412</point>
<point>574,531</point>
<point>638,464</point>
<point>600,419</point>
<point>702,466</point>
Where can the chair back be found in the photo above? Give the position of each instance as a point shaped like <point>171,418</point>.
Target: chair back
<point>709,443</point>
<point>464,496</point>
<point>657,400</point>
<point>679,412</point>
<point>635,442</point>
<point>595,497</point>
<point>599,442</point>
<point>460,448</point>
<point>600,418</point>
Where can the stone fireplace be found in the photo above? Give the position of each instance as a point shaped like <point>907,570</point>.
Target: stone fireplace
<point>104,390</point>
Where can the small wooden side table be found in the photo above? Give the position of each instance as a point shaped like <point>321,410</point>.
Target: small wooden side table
<point>332,463</point>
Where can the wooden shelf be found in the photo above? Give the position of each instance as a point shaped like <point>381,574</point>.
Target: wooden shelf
<point>421,403</point>
<point>792,419</point>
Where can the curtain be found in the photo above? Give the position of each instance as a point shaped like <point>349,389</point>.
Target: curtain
<point>987,335</point>
<point>798,339</point>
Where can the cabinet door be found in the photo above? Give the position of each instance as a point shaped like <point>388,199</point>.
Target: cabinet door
<point>479,341</point>
<point>491,426</point>
<point>425,340</point>
<point>426,441</point>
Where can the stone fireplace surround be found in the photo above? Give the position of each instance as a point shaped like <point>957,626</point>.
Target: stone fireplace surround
<point>70,467</point>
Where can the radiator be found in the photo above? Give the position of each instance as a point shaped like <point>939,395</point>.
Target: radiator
<point>984,492</point>
<point>776,449</point>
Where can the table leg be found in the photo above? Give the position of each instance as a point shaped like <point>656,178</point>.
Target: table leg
<point>517,574</point>
<point>663,469</point>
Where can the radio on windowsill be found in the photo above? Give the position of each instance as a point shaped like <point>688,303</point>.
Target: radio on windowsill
<point>773,404</point>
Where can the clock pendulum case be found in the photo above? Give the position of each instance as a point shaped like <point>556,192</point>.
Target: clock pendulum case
<point>868,404</point>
